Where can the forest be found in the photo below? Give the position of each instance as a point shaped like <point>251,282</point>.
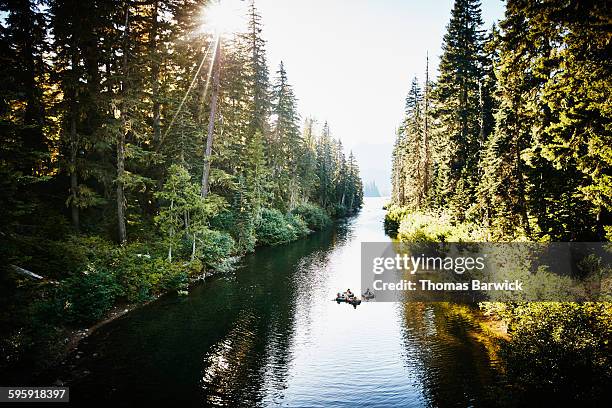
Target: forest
<point>140,151</point>
<point>514,135</point>
<point>512,142</point>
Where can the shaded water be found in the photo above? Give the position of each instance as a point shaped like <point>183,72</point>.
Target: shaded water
<point>269,334</point>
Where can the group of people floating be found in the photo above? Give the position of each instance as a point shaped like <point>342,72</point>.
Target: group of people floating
<point>350,296</point>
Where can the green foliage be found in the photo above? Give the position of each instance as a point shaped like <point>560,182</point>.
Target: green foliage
<point>298,225</point>
<point>560,347</point>
<point>216,248</point>
<point>243,219</point>
<point>410,169</point>
<point>142,276</point>
<point>101,138</point>
<point>458,109</point>
<point>393,217</point>
<point>286,148</point>
<point>437,227</point>
<point>315,218</point>
<point>338,210</point>
<point>86,297</point>
<point>275,228</point>
<point>339,184</point>
<point>519,126</point>
<point>544,165</point>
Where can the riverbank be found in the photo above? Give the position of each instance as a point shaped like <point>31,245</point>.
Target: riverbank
<point>268,333</point>
<point>65,313</point>
<point>572,353</point>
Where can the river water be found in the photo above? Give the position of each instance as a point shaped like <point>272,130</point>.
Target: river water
<point>269,334</point>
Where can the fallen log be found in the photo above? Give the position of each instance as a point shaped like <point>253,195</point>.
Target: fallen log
<point>25,272</point>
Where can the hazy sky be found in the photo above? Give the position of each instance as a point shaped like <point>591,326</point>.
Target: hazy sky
<point>351,63</point>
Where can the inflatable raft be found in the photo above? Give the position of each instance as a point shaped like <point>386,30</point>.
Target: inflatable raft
<point>352,301</point>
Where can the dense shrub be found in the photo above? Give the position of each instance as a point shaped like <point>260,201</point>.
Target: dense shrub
<point>299,226</point>
<point>435,227</point>
<point>215,247</point>
<point>142,277</point>
<point>240,224</point>
<point>560,346</point>
<point>223,221</point>
<point>314,216</point>
<point>275,228</point>
<point>393,217</point>
<point>338,211</point>
<point>85,297</point>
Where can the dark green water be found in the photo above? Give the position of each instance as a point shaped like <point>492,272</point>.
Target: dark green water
<point>269,334</point>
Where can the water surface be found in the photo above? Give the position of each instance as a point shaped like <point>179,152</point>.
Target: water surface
<point>270,335</point>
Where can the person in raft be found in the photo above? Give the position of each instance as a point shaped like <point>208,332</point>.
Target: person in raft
<point>349,294</point>
<point>368,293</point>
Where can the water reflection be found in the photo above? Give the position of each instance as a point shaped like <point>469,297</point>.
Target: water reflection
<point>451,355</point>
<point>270,335</point>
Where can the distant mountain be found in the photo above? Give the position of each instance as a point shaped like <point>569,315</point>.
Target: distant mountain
<point>370,189</point>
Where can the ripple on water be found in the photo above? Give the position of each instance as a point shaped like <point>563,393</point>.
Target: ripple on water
<point>269,334</point>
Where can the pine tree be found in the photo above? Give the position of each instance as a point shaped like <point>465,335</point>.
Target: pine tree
<point>24,68</point>
<point>28,135</point>
<point>258,178</point>
<point>398,195</point>
<point>244,227</point>
<point>259,83</point>
<point>354,193</point>
<point>110,110</point>
<point>457,106</point>
<point>427,169</point>
<point>286,141</point>
<point>413,155</point>
<point>579,135</point>
<point>176,196</point>
<point>307,162</point>
<point>325,169</point>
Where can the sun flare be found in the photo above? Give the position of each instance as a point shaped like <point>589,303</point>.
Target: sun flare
<point>223,17</point>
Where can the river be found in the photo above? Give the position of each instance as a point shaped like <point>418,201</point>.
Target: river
<point>268,334</point>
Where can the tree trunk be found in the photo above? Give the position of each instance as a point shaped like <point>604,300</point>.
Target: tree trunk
<point>211,120</point>
<point>155,75</point>
<point>171,230</point>
<point>193,248</point>
<point>120,193</point>
<point>74,184</point>
<point>521,188</point>
<point>121,137</point>
<point>426,133</point>
<point>74,148</point>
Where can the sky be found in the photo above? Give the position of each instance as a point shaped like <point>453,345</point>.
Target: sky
<point>351,62</point>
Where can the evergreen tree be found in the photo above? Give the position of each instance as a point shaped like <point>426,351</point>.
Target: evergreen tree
<point>286,141</point>
<point>107,114</point>
<point>398,195</point>
<point>413,156</point>
<point>578,139</point>
<point>325,168</point>
<point>26,138</point>
<point>23,83</point>
<point>457,107</point>
<point>176,195</point>
<point>307,162</point>
<point>427,162</point>
<point>258,75</point>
